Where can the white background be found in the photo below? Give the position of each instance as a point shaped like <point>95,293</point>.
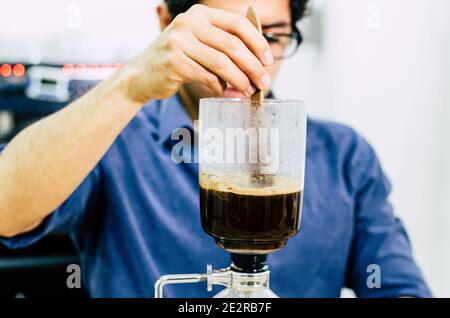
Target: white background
<point>381,66</point>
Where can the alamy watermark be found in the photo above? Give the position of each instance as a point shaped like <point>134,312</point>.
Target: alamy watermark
<point>373,281</point>
<point>373,18</point>
<point>229,145</point>
<point>73,19</point>
<point>74,278</point>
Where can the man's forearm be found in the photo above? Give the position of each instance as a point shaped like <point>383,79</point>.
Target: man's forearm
<point>47,161</point>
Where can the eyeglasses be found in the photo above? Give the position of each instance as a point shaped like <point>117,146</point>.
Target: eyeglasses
<point>284,45</point>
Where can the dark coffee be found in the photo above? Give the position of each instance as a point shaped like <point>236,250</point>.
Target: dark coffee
<point>250,220</point>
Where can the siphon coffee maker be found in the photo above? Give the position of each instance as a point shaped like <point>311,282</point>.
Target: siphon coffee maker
<point>251,165</point>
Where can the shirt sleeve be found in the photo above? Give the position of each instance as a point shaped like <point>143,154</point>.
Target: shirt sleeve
<point>65,218</point>
<point>381,260</point>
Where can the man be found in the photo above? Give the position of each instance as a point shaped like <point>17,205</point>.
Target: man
<point>101,170</point>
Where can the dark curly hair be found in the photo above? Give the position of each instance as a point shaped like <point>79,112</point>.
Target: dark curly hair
<point>298,8</point>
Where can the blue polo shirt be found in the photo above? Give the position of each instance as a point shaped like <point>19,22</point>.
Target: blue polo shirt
<point>136,217</point>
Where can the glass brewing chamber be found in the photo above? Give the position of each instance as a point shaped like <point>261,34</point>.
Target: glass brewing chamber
<point>252,158</point>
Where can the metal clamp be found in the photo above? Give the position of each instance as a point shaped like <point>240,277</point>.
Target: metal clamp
<point>212,277</point>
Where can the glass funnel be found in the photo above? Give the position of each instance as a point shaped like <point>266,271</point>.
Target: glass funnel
<point>252,158</point>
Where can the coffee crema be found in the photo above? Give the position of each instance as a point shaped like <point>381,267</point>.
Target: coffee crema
<point>250,218</point>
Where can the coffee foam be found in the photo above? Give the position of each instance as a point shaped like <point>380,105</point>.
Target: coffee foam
<point>244,185</point>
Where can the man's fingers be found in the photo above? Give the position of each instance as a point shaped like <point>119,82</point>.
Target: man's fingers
<point>240,26</point>
<point>238,52</point>
<point>218,63</point>
<point>225,44</point>
<point>191,71</point>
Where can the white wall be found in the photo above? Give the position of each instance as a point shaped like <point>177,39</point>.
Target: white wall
<point>76,30</point>
<point>380,66</point>
<point>383,68</point>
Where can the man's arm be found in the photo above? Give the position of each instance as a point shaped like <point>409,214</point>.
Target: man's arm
<point>46,162</point>
<point>381,251</point>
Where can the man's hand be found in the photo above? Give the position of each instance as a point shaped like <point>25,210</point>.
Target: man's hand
<point>205,45</point>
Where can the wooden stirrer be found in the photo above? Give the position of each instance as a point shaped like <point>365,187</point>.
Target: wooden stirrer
<point>257,177</point>
<point>258,96</point>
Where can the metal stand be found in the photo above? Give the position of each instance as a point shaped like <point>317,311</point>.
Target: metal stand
<point>247,277</point>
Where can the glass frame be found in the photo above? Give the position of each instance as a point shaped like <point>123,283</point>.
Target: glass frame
<point>295,35</point>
